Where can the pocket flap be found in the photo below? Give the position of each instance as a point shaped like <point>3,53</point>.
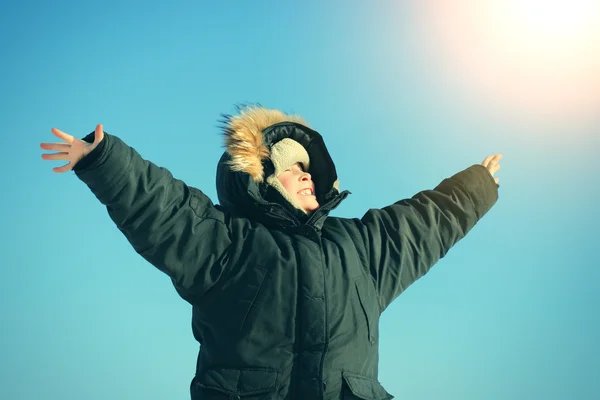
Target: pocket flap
<point>239,381</point>
<point>366,388</point>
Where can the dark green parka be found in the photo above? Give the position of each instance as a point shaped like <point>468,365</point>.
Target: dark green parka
<point>285,306</point>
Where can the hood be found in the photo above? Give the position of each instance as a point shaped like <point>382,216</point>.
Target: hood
<point>245,164</point>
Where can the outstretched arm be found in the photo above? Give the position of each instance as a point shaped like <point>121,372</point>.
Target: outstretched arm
<point>407,238</point>
<point>173,226</point>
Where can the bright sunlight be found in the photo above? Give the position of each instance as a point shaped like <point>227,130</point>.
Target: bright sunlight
<point>555,18</point>
<point>532,57</point>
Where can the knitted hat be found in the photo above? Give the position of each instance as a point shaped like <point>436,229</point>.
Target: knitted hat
<point>285,154</point>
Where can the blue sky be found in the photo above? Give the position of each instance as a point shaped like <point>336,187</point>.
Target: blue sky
<point>510,313</point>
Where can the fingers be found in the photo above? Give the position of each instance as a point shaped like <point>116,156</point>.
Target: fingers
<point>487,161</point>
<point>491,163</point>
<point>64,168</point>
<point>491,159</point>
<point>61,135</point>
<point>56,156</point>
<point>493,168</point>
<point>62,150</point>
<point>98,134</point>
<point>55,146</point>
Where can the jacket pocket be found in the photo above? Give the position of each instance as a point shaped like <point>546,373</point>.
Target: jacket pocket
<point>248,294</point>
<point>369,306</point>
<point>249,384</point>
<point>361,387</point>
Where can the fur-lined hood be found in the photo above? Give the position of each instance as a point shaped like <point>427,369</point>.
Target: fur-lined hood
<point>244,139</point>
<point>244,166</point>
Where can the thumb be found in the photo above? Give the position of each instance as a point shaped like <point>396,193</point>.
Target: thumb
<point>98,134</point>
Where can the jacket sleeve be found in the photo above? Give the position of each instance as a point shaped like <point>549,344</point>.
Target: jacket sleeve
<point>174,227</point>
<point>407,238</point>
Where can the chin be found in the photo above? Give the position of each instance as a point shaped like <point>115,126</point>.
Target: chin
<point>311,207</point>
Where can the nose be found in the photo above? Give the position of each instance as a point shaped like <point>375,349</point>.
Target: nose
<point>305,177</point>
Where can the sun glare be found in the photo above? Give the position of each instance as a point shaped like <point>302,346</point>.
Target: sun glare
<point>536,57</point>
<point>554,18</point>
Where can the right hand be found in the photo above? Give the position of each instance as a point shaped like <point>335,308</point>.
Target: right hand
<point>72,150</point>
<point>491,163</point>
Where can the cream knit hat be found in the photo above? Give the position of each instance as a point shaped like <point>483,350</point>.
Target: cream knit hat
<point>284,154</point>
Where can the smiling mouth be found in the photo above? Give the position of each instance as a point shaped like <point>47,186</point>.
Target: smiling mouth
<point>306,192</point>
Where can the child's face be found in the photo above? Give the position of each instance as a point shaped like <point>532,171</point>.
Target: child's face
<point>300,186</point>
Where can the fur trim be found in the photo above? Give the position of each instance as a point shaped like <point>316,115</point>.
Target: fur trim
<point>336,185</point>
<point>244,139</point>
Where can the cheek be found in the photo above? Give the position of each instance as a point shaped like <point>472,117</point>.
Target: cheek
<point>287,182</point>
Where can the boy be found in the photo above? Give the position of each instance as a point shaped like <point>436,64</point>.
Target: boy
<point>286,300</point>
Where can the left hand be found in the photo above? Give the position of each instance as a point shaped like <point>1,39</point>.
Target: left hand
<point>491,164</point>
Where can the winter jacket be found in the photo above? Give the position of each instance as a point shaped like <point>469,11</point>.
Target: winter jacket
<point>285,306</point>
